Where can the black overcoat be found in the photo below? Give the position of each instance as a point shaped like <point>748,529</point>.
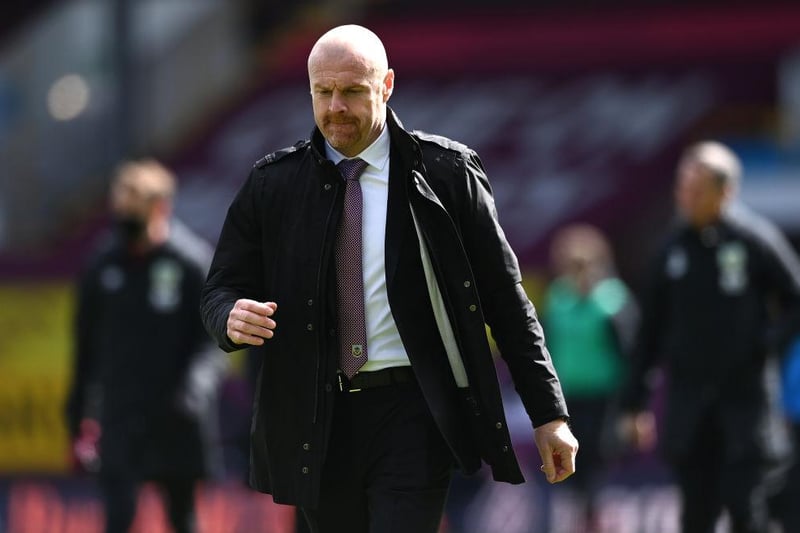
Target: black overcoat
<point>276,245</point>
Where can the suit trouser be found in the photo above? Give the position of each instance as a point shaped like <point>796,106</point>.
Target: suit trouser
<point>387,468</point>
<point>785,504</point>
<point>120,498</point>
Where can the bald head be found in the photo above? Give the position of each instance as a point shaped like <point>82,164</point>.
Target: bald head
<point>718,159</point>
<point>146,178</point>
<point>141,202</point>
<point>707,179</point>
<point>358,43</point>
<point>350,84</point>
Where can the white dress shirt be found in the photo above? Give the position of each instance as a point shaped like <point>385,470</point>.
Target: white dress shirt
<point>384,347</point>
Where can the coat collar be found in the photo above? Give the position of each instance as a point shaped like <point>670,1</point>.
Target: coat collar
<point>405,162</point>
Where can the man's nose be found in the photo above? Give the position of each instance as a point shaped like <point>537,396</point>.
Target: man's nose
<point>337,102</point>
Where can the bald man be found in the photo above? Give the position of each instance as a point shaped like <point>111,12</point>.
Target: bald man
<point>725,289</point>
<point>363,265</point>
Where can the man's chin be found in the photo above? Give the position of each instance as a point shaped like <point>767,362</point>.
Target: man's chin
<point>341,144</point>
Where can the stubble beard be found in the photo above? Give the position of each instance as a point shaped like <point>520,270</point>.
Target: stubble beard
<point>342,135</point>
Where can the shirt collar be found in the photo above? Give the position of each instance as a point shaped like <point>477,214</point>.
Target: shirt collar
<point>376,154</point>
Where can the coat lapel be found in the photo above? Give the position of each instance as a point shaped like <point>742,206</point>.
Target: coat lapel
<point>398,219</point>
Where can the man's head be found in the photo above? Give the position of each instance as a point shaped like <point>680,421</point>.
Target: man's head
<point>707,179</point>
<point>141,201</point>
<point>582,254</point>
<point>350,84</point>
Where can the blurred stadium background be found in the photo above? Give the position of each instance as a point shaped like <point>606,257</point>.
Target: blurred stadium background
<point>578,108</point>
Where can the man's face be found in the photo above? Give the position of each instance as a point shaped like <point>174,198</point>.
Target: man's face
<point>129,201</point>
<point>699,196</point>
<point>349,100</point>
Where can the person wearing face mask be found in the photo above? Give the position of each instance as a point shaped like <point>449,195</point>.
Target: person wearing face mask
<point>723,299</point>
<point>145,374</point>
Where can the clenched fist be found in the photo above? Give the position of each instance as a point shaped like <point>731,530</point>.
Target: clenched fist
<point>250,322</point>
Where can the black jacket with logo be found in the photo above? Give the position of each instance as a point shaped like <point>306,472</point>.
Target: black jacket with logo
<point>140,343</point>
<point>719,302</point>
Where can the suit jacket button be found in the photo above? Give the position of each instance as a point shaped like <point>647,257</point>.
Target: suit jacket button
<point>305,470</point>
<point>327,186</point>
<point>310,327</point>
<point>499,425</point>
<point>306,446</point>
<point>467,283</point>
<point>473,308</point>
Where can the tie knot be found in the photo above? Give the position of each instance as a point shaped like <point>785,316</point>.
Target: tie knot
<point>351,169</point>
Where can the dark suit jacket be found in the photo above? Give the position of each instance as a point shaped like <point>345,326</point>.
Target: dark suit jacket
<point>276,244</point>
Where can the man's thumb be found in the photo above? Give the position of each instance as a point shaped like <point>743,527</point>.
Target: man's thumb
<point>548,466</point>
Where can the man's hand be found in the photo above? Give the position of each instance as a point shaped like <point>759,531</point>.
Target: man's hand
<point>86,446</point>
<point>638,429</point>
<point>249,322</point>
<point>557,448</point>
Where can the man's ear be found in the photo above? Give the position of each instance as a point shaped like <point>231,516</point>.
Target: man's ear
<point>388,85</point>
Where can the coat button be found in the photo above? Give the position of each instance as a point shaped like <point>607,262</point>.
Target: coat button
<point>467,283</point>
<point>310,302</point>
<point>305,470</point>
<point>499,425</point>
<point>327,186</point>
<point>473,308</point>
<point>306,446</point>
<point>505,448</point>
<point>328,387</point>
<point>310,327</point>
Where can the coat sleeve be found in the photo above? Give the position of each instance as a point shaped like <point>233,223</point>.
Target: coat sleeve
<point>84,356</point>
<point>508,311</point>
<point>205,367</point>
<point>624,324</point>
<point>647,342</point>
<point>782,277</point>
<point>237,269</point>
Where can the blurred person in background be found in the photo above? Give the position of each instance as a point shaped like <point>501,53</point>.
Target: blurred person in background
<point>144,368</point>
<point>362,410</point>
<point>590,317</point>
<point>722,300</point>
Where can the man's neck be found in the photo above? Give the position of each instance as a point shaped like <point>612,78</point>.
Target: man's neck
<point>156,234</point>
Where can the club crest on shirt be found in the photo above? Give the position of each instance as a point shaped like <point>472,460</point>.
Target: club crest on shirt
<point>732,264</point>
<point>165,285</point>
<point>357,350</point>
<point>677,263</point>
